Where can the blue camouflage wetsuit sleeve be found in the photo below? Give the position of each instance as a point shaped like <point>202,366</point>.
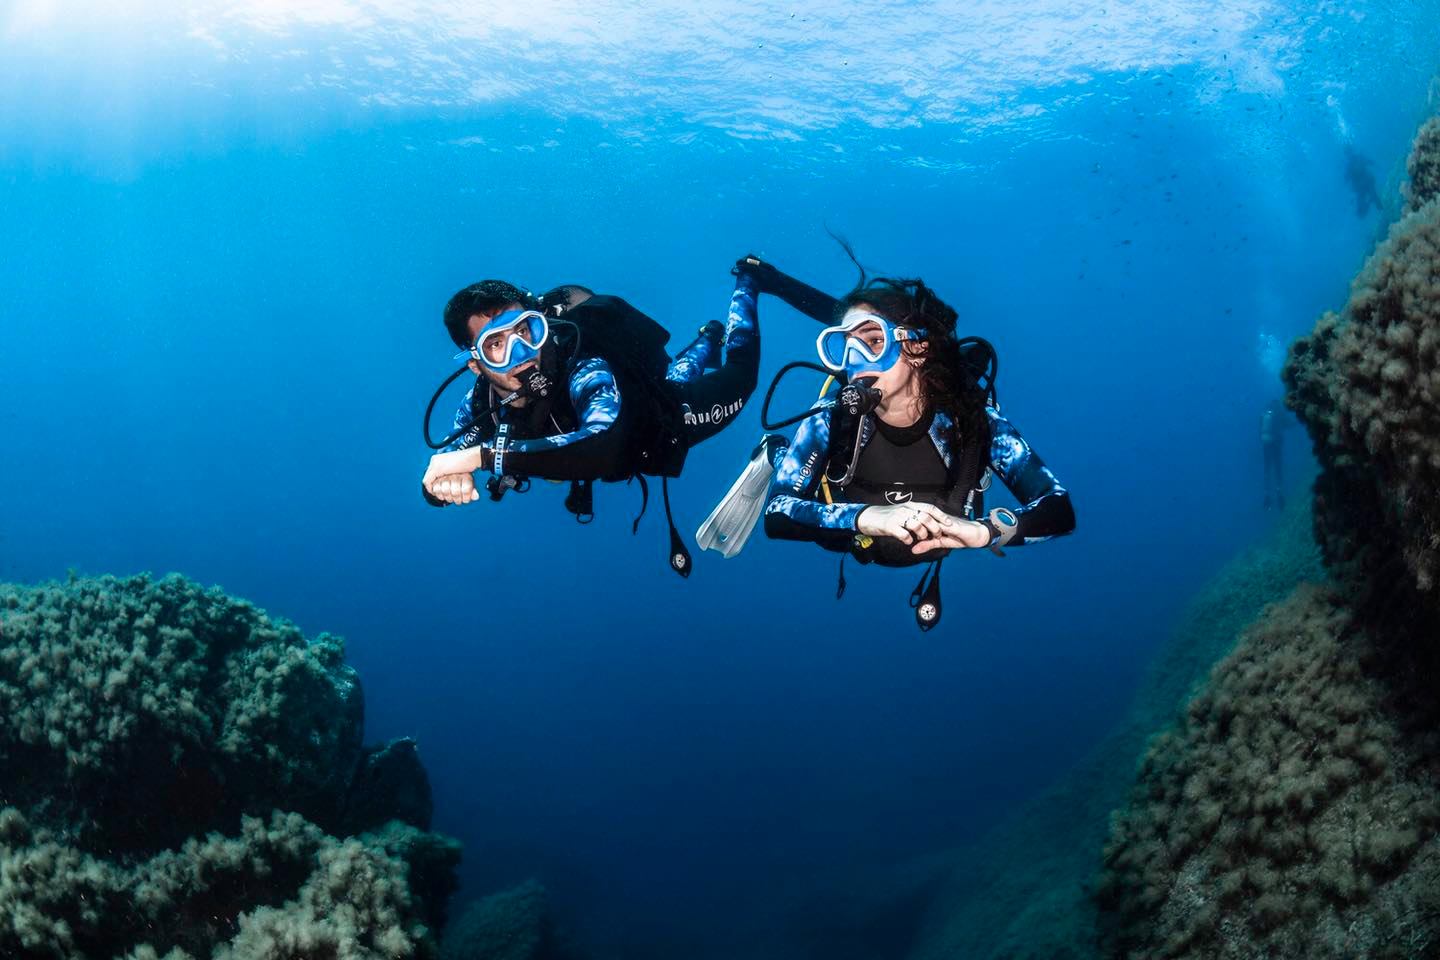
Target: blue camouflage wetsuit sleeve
<point>1045,510</point>
<point>793,510</point>
<point>475,432</point>
<point>594,449</point>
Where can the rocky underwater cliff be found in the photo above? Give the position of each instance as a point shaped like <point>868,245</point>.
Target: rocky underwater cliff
<point>1289,804</point>
<point>1294,811</point>
<point>183,777</point>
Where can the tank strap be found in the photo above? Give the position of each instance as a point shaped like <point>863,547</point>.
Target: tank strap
<point>967,468</point>
<point>644,502</point>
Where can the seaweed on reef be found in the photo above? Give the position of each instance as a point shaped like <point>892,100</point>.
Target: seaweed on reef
<point>183,776</point>
<point>280,888</point>
<point>513,924</point>
<point>1423,167</point>
<point>1366,383</point>
<point>1295,812</point>
<point>1025,890</point>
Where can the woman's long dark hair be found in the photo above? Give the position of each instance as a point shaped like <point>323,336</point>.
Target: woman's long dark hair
<point>947,383</point>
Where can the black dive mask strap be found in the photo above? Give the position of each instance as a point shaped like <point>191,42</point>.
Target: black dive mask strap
<point>925,598</point>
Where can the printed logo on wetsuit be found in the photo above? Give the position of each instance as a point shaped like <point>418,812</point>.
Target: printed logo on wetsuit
<point>899,496</point>
<point>715,414</point>
<point>805,471</point>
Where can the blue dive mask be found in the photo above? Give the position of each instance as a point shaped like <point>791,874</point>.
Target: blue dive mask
<point>509,339</point>
<point>842,350</point>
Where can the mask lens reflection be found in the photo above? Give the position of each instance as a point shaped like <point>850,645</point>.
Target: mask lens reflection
<point>832,349</point>
<point>498,346</point>
<point>530,329</point>
<point>869,339</point>
<point>492,346</point>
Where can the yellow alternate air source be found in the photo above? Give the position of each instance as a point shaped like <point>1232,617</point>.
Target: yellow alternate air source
<point>824,482</point>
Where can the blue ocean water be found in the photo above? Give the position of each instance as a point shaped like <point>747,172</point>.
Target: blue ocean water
<point>228,233</point>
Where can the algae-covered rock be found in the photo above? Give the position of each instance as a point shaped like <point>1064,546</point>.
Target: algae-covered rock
<point>1294,812</point>
<point>1423,167</point>
<point>181,776</point>
<point>1024,891</point>
<point>514,924</point>
<point>1366,382</point>
<point>390,784</point>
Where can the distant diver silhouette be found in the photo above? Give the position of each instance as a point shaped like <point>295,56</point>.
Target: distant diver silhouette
<point>1361,180</point>
<point>1271,426</point>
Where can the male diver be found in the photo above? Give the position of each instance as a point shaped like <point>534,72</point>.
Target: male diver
<point>577,386</point>
<point>892,466</point>
<point>1362,181</point>
<point>1273,470</point>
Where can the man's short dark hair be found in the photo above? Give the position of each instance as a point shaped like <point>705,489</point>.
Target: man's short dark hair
<point>487,296</point>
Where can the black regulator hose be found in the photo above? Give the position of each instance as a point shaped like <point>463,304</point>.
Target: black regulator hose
<point>537,383</point>
<point>430,408</point>
<point>770,395</point>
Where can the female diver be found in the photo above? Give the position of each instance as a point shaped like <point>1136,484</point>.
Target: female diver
<point>893,467</point>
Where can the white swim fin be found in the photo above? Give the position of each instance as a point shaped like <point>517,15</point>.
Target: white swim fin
<point>730,523</point>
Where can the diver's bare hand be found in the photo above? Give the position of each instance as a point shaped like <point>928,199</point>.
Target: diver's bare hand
<point>457,488</point>
<point>963,534</point>
<point>906,522</point>
<point>452,462</point>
